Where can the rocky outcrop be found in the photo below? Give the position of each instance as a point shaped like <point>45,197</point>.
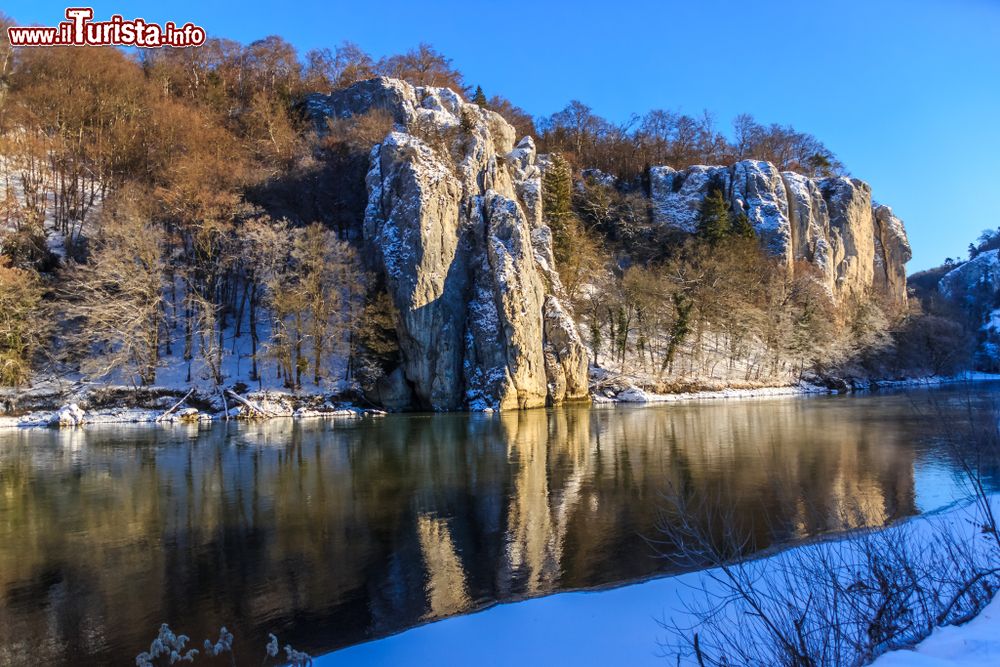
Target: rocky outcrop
<point>454,221</point>
<point>892,252</point>
<point>975,280</point>
<point>852,230</point>
<point>809,225</point>
<point>566,361</point>
<point>831,224</point>
<point>677,195</point>
<point>758,192</point>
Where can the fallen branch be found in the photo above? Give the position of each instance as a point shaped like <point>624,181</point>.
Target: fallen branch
<point>175,405</point>
<point>251,406</point>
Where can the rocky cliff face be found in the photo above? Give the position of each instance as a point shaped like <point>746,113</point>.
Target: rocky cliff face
<point>454,220</point>
<point>975,280</point>
<point>830,223</point>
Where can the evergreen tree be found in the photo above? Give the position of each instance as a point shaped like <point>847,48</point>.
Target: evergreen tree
<point>479,97</point>
<point>742,228</point>
<point>557,201</point>
<point>713,222</point>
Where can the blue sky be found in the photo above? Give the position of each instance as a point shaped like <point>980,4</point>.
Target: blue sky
<point>907,93</point>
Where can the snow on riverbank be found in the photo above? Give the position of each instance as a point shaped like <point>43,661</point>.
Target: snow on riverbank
<point>620,626</point>
<point>284,405</point>
<point>975,643</point>
<point>638,396</point>
<point>71,415</point>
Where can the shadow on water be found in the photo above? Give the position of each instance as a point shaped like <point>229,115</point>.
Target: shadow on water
<point>328,533</point>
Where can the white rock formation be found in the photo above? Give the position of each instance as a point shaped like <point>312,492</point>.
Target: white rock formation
<point>829,223</point>
<point>977,279</point>
<point>677,195</point>
<point>69,415</point>
<point>892,252</point>
<point>454,218</point>
<point>809,225</point>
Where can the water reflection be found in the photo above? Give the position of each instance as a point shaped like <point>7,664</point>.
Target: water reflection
<point>329,533</point>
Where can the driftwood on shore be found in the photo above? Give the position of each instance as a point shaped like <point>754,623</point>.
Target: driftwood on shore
<point>175,405</point>
<point>253,407</point>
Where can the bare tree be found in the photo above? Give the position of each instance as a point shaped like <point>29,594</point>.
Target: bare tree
<point>119,293</point>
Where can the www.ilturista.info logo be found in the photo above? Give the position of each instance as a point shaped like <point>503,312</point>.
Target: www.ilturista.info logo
<point>80,30</point>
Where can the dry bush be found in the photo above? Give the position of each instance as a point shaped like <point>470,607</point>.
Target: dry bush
<point>358,133</point>
<point>22,326</point>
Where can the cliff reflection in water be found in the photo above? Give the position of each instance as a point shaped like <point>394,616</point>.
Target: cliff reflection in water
<point>328,533</point>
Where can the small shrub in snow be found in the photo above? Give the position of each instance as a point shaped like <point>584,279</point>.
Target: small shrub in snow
<point>169,649</point>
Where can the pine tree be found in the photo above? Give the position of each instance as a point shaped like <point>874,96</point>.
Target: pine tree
<point>557,200</point>
<point>479,97</point>
<point>713,221</point>
<point>742,228</point>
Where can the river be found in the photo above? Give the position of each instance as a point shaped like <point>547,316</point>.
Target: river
<point>332,532</point>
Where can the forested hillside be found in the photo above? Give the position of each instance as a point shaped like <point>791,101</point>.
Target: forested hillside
<point>186,217</point>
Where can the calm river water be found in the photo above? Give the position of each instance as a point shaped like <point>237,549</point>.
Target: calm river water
<point>332,532</point>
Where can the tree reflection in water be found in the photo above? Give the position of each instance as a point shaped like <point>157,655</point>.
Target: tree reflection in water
<point>331,532</point>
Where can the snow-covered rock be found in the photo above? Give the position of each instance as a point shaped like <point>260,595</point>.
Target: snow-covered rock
<point>809,225</point>
<point>830,223</point>
<point>566,359</point>
<point>599,177</point>
<point>758,192</point>
<point>973,279</point>
<point>677,195</point>
<point>68,415</point>
<point>892,252</point>
<point>454,218</point>
<point>849,202</point>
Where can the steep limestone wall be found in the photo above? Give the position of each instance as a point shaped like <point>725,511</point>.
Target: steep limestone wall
<point>454,220</point>
<point>830,223</point>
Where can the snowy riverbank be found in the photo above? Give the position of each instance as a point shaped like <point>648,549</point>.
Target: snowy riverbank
<point>73,407</point>
<point>977,643</point>
<point>636,395</point>
<point>166,405</point>
<point>620,626</point>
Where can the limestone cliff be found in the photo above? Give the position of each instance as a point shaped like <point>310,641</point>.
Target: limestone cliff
<point>856,246</point>
<point>454,221</point>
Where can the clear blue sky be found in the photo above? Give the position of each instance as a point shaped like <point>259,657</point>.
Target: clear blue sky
<point>906,92</point>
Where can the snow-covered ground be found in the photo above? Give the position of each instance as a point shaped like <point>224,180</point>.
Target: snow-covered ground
<point>638,395</point>
<point>977,643</point>
<point>282,404</point>
<point>273,405</point>
<point>620,626</point>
